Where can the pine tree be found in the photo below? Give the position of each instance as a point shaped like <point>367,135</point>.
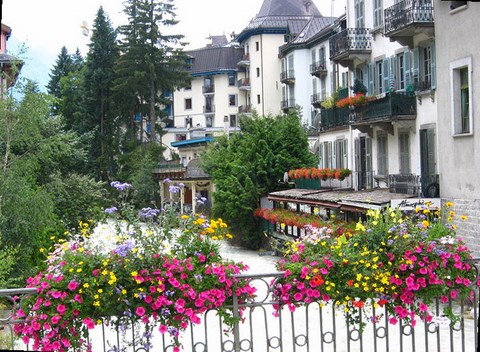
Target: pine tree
<point>152,62</point>
<point>98,82</point>
<point>63,66</point>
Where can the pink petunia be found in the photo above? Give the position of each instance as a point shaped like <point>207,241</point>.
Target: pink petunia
<point>140,311</point>
<point>72,285</point>
<point>61,309</point>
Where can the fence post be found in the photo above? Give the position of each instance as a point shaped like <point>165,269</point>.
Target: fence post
<point>236,326</point>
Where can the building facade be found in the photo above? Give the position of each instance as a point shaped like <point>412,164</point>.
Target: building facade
<point>10,66</point>
<point>458,131</point>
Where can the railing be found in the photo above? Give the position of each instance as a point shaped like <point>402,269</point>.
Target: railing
<point>334,117</point>
<point>245,60</point>
<point>287,104</point>
<point>243,83</point>
<point>287,76</point>
<point>244,109</point>
<point>313,327</point>
<point>393,104</point>
<point>350,39</point>
<point>406,13</point>
<point>208,109</point>
<point>318,68</point>
<point>317,98</point>
<point>208,89</point>
<point>417,185</point>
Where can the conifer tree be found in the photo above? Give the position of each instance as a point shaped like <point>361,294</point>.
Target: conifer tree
<point>152,62</point>
<point>63,66</point>
<point>98,82</point>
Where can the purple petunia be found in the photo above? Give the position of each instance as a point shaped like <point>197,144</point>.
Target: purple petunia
<point>111,210</point>
<point>119,186</point>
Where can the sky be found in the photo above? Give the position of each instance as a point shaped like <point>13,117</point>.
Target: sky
<point>47,25</point>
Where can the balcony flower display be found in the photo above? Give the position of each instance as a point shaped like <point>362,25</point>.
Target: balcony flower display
<point>391,261</point>
<point>354,100</point>
<point>157,269</point>
<point>318,174</point>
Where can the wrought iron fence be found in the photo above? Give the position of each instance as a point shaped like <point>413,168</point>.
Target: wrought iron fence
<point>350,39</point>
<point>408,12</point>
<point>313,327</point>
<point>393,104</point>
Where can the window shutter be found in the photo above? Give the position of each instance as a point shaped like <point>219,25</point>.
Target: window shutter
<point>320,155</point>
<point>314,86</point>
<point>434,75</point>
<point>371,87</point>
<point>416,66</point>
<point>314,56</point>
<point>345,153</point>
<point>407,56</point>
<point>334,154</point>
<point>386,74</point>
<point>358,167</point>
<point>394,84</point>
<point>368,162</point>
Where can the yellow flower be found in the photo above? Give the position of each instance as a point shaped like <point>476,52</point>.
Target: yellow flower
<point>134,273</point>
<point>86,285</point>
<point>124,292</point>
<point>100,290</point>
<point>463,217</point>
<point>96,303</point>
<point>360,227</point>
<point>184,217</point>
<point>449,204</point>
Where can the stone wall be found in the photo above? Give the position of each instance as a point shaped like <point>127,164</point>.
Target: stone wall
<point>468,229</point>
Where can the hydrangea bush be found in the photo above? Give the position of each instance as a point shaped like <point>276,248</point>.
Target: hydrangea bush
<point>161,269</point>
<point>402,263</point>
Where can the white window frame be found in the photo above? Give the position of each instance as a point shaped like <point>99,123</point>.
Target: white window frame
<point>455,102</point>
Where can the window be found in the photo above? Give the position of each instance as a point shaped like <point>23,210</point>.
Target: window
<point>359,13</point>
<point>232,79</point>
<point>180,137</point>
<point>188,103</point>
<point>258,71</point>
<point>424,67</point>
<point>382,154</point>
<point>321,56</point>
<point>379,76</point>
<point>258,99</point>
<point>404,152</point>
<point>327,154</point>
<point>232,100</point>
<point>461,90</point>
<point>189,86</point>
<point>233,120</point>
<point>377,13</point>
<point>341,156</point>
<point>209,121</point>
<point>257,46</point>
<point>400,71</point>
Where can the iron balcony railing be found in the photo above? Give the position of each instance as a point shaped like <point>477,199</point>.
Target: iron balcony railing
<point>334,117</point>
<point>244,109</point>
<point>350,40</point>
<point>243,83</point>
<point>287,76</point>
<point>407,13</point>
<point>245,60</point>
<point>417,185</point>
<point>393,104</point>
<point>209,109</point>
<point>318,68</point>
<point>287,104</point>
<point>317,98</point>
<point>315,326</point>
<point>208,89</point>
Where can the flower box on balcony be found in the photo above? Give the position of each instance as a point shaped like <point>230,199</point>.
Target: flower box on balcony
<point>307,183</point>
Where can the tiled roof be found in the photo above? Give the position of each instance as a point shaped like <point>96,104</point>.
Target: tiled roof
<point>313,27</point>
<point>288,8</point>
<point>215,59</point>
<point>289,16</point>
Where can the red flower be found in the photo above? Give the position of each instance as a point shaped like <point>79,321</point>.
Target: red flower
<point>317,281</point>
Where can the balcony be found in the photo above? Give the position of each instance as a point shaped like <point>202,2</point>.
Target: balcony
<point>244,84</point>
<point>245,60</point>
<point>287,76</point>
<point>209,89</point>
<point>245,109</point>
<point>333,118</point>
<point>209,109</point>
<point>408,18</point>
<point>351,47</point>
<point>287,104</point>
<point>382,112</point>
<point>423,185</point>
<point>318,69</point>
<point>317,98</point>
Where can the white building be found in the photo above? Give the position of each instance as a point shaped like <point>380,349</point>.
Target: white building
<point>458,56</point>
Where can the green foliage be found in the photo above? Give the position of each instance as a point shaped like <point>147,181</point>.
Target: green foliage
<point>98,83</point>
<point>7,264</point>
<point>249,165</point>
<point>156,59</point>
